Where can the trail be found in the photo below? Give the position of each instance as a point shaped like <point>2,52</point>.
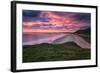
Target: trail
<point>72,38</point>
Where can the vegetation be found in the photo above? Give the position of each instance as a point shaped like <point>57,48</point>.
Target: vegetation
<point>60,52</point>
<point>48,52</point>
<point>86,34</point>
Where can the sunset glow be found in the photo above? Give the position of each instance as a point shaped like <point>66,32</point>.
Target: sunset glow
<point>46,21</point>
<point>48,31</point>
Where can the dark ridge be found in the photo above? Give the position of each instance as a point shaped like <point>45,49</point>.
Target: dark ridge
<point>86,31</point>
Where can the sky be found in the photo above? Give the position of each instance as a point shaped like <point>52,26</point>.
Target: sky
<point>54,21</point>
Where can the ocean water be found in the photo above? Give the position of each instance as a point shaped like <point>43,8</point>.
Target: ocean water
<point>34,37</point>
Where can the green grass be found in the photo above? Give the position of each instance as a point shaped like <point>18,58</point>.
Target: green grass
<point>48,52</point>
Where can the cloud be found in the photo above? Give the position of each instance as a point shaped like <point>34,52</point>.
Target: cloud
<point>71,20</point>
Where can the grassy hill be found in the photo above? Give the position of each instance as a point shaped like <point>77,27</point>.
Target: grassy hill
<point>48,52</point>
<point>86,34</point>
<point>86,31</point>
<point>61,52</point>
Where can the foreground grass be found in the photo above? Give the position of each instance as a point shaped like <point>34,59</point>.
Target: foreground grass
<point>48,52</point>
